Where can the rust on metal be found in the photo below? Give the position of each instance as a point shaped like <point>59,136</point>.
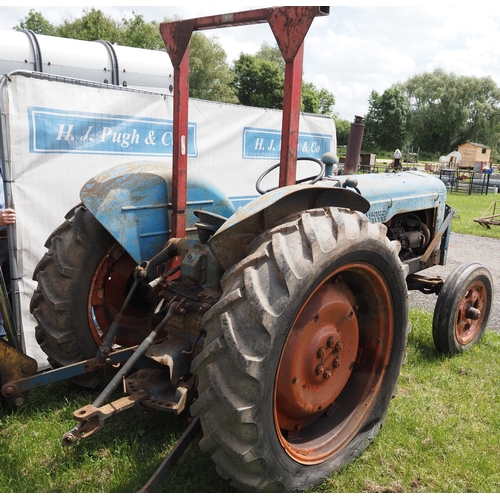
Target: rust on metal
<point>354,146</point>
<point>290,26</point>
<point>316,363</point>
<point>490,217</point>
<point>92,418</point>
<point>470,315</point>
<point>333,363</point>
<point>107,294</point>
<point>14,365</point>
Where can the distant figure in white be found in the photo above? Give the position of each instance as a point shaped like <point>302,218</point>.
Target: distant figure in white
<point>397,159</point>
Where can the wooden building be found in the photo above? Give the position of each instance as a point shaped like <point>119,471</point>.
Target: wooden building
<point>474,155</point>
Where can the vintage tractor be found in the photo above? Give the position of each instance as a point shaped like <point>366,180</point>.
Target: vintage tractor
<point>281,327</point>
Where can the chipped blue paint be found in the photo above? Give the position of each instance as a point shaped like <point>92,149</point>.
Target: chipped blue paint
<point>394,193</point>
<point>132,201</point>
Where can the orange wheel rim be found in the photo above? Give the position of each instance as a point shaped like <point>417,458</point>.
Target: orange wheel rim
<point>108,291</point>
<point>333,363</point>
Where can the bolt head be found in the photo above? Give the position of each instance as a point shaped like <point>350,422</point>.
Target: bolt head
<point>19,401</point>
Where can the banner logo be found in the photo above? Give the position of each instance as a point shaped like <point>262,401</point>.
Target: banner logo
<point>57,131</point>
<point>259,143</point>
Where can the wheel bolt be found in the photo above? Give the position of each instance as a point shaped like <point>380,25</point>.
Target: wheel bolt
<point>320,369</point>
<point>25,369</point>
<point>9,390</point>
<point>19,401</point>
<point>327,374</point>
<point>321,352</point>
<point>329,342</point>
<point>338,347</point>
<point>336,363</point>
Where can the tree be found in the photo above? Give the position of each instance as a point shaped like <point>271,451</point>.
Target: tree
<point>385,122</point>
<point>271,53</point>
<point>313,100</point>
<point>210,77</point>
<point>318,101</point>
<point>310,98</point>
<point>258,82</point>
<point>342,127</point>
<point>135,32</point>
<point>35,22</point>
<point>326,102</point>
<point>448,110</point>
<point>93,25</point>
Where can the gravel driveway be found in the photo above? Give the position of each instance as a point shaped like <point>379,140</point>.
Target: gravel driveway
<point>463,249</point>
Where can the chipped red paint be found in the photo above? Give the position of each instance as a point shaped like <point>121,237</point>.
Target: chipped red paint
<point>290,26</point>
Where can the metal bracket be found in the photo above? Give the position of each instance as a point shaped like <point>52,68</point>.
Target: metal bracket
<point>92,418</point>
<point>439,233</point>
<point>424,284</point>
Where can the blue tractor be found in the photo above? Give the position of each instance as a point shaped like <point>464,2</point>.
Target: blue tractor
<point>281,327</point>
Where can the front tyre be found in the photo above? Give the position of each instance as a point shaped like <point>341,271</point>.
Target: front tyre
<point>303,351</point>
<point>462,309</point>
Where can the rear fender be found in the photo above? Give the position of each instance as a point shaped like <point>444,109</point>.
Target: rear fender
<point>230,241</point>
<point>133,202</point>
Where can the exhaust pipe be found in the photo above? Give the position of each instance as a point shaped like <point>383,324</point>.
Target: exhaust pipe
<point>354,146</point>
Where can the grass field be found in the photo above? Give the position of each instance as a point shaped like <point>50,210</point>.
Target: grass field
<point>442,432</point>
<point>470,207</point>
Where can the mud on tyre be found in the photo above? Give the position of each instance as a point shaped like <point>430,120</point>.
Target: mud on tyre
<point>303,351</point>
<point>83,280</point>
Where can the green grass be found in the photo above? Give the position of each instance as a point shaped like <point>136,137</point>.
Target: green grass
<point>121,457</point>
<point>442,434</point>
<point>470,207</point>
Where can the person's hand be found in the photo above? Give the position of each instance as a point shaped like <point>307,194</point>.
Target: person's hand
<point>7,216</point>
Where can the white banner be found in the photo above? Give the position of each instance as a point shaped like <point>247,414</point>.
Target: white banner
<point>61,134</point>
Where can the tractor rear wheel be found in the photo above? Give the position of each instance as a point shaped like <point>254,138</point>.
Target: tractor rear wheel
<point>303,351</point>
<point>462,309</point>
<point>83,280</point>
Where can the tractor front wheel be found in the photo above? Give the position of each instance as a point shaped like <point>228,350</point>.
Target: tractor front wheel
<point>303,351</point>
<point>462,309</point>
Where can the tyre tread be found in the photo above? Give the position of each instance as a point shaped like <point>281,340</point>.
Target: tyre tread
<point>270,270</point>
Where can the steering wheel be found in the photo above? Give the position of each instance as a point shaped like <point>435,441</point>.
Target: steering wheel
<point>313,178</point>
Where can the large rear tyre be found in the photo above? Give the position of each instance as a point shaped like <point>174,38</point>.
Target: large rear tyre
<point>462,309</point>
<point>83,280</point>
<point>303,351</point>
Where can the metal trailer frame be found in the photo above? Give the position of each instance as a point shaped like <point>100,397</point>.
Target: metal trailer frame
<point>491,216</point>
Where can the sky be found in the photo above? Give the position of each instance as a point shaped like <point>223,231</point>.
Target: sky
<point>358,48</point>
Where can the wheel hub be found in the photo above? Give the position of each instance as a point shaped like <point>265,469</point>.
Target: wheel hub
<point>333,363</point>
<point>469,315</point>
<point>108,290</point>
<point>318,358</point>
